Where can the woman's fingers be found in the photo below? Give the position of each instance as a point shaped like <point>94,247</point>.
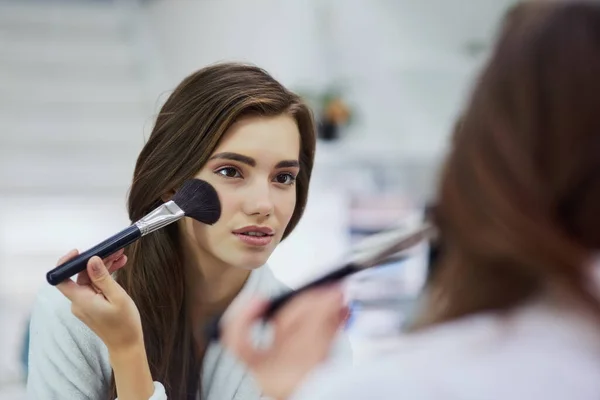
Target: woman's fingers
<point>316,309</point>
<point>114,256</point>
<point>74,291</point>
<point>68,288</point>
<point>117,264</point>
<point>237,334</point>
<point>304,331</point>
<point>82,278</point>
<point>113,263</point>
<point>71,254</point>
<point>313,316</point>
<point>102,280</point>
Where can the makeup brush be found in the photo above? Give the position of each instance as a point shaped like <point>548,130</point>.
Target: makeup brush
<point>195,198</point>
<point>378,249</point>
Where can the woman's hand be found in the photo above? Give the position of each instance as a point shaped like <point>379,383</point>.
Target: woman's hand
<point>304,332</point>
<point>103,305</point>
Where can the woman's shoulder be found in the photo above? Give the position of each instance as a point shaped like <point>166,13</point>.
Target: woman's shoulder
<point>266,282</point>
<point>52,322</point>
<point>52,312</point>
<point>49,300</point>
<point>64,354</point>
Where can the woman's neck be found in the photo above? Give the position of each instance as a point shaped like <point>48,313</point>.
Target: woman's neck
<point>211,286</point>
<point>214,288</point>
<point>208,294</point>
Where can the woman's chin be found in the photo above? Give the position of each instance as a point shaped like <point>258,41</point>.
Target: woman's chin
<point>252,262</point>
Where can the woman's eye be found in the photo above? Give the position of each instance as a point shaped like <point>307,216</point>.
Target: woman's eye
<point>229,172</point>
<point>285,179</point>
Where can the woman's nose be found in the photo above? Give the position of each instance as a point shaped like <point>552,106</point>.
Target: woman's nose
<point>258,200</point>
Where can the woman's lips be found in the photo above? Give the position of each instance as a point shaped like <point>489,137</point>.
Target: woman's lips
<point>255,240</point>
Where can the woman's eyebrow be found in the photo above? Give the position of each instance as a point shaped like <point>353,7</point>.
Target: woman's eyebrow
<point>288,164</point>
<point>235,157</point>
<point>251,161</point>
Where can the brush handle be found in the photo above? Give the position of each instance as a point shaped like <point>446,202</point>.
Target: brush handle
<point>331,277</point>
<point>102,250</point>
<point>214,331</point>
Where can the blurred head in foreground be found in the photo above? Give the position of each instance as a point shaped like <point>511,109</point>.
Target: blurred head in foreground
<point>518,203</point>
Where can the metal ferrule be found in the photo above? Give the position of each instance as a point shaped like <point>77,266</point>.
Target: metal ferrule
<point>161,216</point>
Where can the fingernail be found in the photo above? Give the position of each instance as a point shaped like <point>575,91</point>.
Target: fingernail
<point>345,313</point>
<point>335,294</point>
<point>96,266</point>
<point>333,285</point>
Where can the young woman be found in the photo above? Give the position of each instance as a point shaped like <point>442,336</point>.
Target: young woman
<point>514,308</point>
<point>141,335</point>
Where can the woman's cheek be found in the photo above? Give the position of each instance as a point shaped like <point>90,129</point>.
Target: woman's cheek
<point>289,205</point>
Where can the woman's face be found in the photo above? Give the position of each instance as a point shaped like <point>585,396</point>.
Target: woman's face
<point>254,171</point>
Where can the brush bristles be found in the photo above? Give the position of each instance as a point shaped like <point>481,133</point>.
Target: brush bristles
<point>199,200</point>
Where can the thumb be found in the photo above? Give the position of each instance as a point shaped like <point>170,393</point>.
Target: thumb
<point>101,278</point>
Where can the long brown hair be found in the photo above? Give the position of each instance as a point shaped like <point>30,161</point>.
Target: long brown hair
<point>518,204</point>
<point>188,129</point>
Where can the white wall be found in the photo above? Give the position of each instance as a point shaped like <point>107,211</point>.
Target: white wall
<point>407,89</point>
<point>280,36</point>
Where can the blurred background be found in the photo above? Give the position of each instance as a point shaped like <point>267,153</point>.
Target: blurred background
<point>81,82</point>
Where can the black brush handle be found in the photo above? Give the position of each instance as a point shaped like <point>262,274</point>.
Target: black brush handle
<point>331,277</point>
<point>214,331</point>
<point>102,250</point>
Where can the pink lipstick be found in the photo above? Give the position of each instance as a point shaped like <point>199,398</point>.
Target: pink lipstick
<point>255,235</point>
